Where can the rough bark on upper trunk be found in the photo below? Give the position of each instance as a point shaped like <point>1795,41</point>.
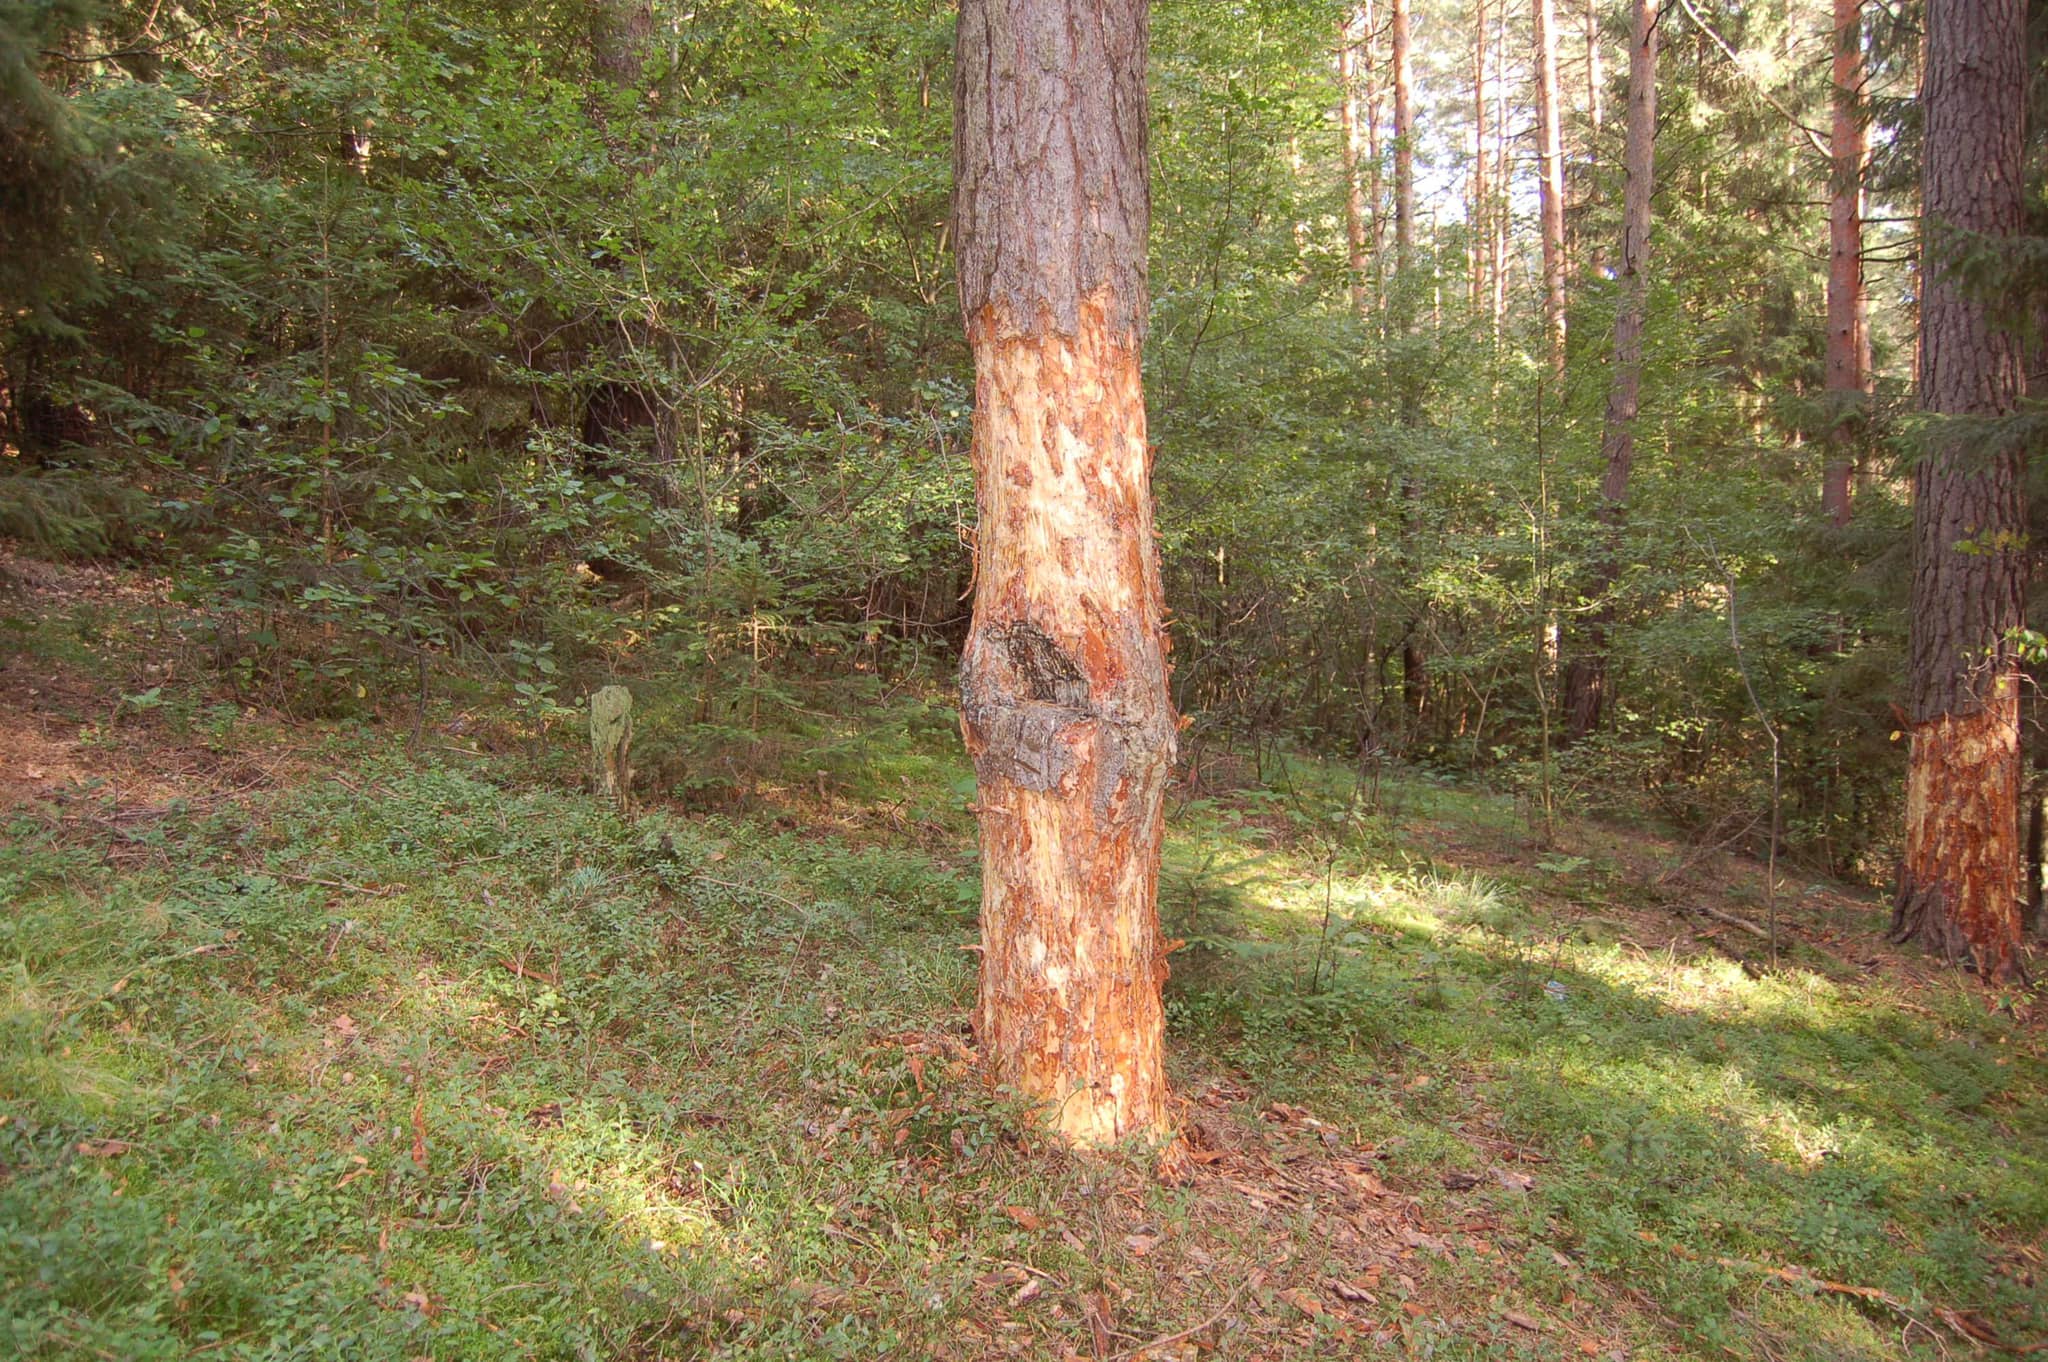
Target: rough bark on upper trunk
<point>1848,367</point>
<point>1586,678</point>
<point>1064,702</point>
<point>1959,889</point>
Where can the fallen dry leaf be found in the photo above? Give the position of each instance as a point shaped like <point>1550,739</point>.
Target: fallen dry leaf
<point>1096,1306</point>
<point>1522,1321</point>
<point>1025,1217</point>
<point>104,1149</point>
<point>1302,1301</point>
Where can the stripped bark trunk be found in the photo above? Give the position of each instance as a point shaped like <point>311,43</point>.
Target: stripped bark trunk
<point>1959,891</point>
<point>1550,184</point>
<point>1848,344</point>
<point>1064,702</point>
<point>1586,678</point>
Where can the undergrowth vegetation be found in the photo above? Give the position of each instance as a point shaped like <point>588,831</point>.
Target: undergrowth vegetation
<point>315,1046</point>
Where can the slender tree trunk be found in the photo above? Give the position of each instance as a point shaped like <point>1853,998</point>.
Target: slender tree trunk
<point>1596,118</point>
<point>1596,80</point>
<point>1414,679</point>
<point>1404,144</point>
<point>1478,233</point>
<point>1959,890</point>
<point>1375,189</point>
<point>1586,677</point>
<point>1848,366</point>
<point>1354,31</point>
<point>1064,701</point>
<point>1502,217</point>
<point>1550,185</point>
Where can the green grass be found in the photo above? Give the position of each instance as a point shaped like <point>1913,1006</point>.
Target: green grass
<point>431,1056</point>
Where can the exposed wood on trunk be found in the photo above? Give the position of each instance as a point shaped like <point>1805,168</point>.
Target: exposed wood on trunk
<point>1959,890</point>
<point>1586,677</point>
<point>1064,700</point>
<point>1848,343</point>
<point>1550,184</point>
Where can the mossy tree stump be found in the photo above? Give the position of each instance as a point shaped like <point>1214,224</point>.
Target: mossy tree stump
<point>611,742</point>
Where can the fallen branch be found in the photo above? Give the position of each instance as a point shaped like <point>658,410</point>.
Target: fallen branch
<point>1733,921</point>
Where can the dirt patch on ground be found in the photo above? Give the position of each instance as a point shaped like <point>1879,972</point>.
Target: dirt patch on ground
<point>71,746</point>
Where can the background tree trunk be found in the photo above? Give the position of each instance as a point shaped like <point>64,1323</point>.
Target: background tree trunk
<point>1355,30</point>
<point>1063,682</point>
<point>1959,890</point>
<point>1550,184</point>
<point>1414,678</point>
<point>1586,678</point>
<point>619,34</point>
<point>1478,234</point>
<point>1848,367</point>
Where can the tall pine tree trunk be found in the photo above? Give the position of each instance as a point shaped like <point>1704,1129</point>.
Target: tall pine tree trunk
<point>1586,678</point>
<point>1063,682</point>
<point>1354,31</point>
<point>1414,677</point>
<point>1550,185</point>
<point>1959,890</point>
<point>1848,344</point>
<point>1478,232</point>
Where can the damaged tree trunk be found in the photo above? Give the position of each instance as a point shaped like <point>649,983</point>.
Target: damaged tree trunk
<point>1959,890</point>
<point>1064,702</point>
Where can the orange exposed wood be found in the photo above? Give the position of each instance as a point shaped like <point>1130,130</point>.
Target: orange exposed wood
<point>1960,889</point>
<point>1065,710</point>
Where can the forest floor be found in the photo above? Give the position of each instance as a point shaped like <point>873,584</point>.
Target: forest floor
<point>319,1042</point>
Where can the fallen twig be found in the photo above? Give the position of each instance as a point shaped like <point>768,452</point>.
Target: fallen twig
<point>1167,1340</point>
<point>1962,1324</point>
<point>377,892</point>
